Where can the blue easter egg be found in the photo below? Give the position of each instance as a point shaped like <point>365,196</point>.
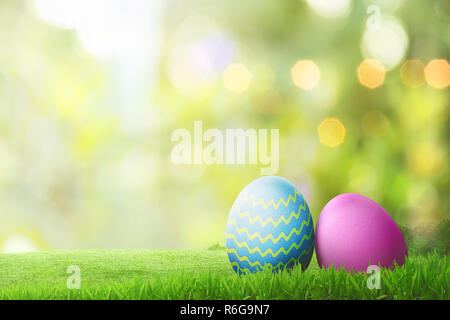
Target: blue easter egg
<point>269,227</point>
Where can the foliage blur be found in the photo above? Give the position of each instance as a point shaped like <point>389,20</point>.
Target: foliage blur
<point>90,92</point>
<point>429,238</point>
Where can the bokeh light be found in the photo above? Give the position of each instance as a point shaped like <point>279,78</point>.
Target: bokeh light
<point>58,12</point>
<point>305,74</point>
<point>426,158</point>
<point>189,67</point>
<point>371,73</point>
<point>106,30</point>
<point>200,52</point>
<point>412,73</point>
<point>237,78</point>
<point>331,132</point>
<point>17,242</point>
<point>330,8</point>
<point>388,44</point>
<point>437,73</point>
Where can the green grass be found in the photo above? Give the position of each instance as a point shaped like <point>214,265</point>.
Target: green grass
<point>189,274</point>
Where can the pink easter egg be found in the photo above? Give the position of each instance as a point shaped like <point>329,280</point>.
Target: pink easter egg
<point>355,232</point>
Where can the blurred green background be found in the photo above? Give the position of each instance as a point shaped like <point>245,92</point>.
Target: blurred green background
<point>90,92</point>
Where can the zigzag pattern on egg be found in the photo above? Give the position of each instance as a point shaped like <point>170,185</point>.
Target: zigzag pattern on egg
<point>269,233</point>
<point>270,219</point>
<point>271,201</point>
<point>269,236</point>
<point>263,254</point>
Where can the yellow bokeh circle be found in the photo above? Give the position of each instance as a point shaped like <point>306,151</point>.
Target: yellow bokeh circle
<point>237,78</point>
<point>305,74</point>
<point>371,73</point>
<point>331,132</point>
